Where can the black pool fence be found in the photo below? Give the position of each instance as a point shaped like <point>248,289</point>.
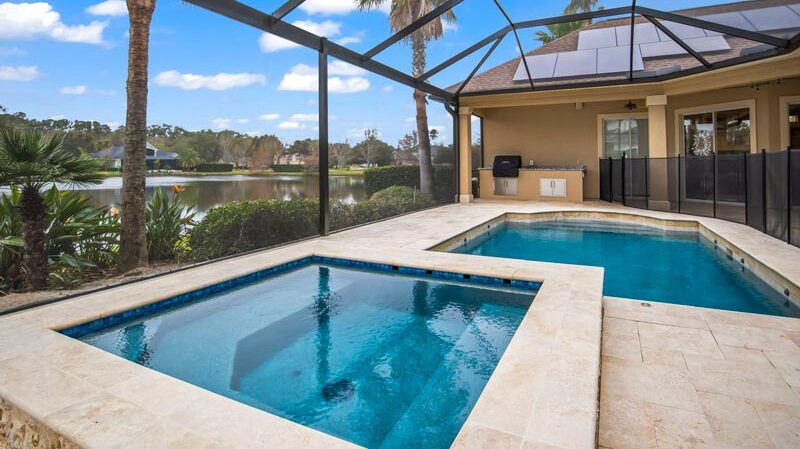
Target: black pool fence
<point>760,189</point>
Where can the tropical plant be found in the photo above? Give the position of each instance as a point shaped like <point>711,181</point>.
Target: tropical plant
<point>576,6</point>
<point>168,219</point>
<point>189,158</point>
<point>10,239</point>
<point>29,160</point>
<point>558,30</point>
<point>79,237</point>
<point>402,14</point>
<point>133,250</point>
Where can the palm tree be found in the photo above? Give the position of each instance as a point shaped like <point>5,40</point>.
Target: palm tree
<point>29,161</point>
<point>133,237</point>
<point>403,13</point>
<point>576,6</point>
<point>558,30</point>
<point>189,158</point>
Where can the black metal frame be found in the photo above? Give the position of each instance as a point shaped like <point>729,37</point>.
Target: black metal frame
<point>273,23</point>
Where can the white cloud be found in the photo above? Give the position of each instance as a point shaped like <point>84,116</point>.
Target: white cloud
<point>18,73</point>
<point>114,8</point>
<point>242,120</point>
<point>441,129</point>
<point>32,20</point>
<point>58,117</point>
<point>328,7</point>
<point>347,85</point>
<point>343,68</point>
<point>270,43</point>
<point>388,88</point>
<point>269,117</point>
<point>305,117</point>
<point>12,51</point>
<point>221,123</point>
<point>347,40</point>
<point>220,81</point>
<point>113,125</point>
<point>73,90</point>
<point>303,78</point>
<point>290,125</point>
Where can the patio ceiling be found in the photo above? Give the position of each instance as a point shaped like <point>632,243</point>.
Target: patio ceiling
<point>762,43</point>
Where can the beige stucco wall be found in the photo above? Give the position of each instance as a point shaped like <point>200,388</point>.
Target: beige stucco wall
<point>567,133</point>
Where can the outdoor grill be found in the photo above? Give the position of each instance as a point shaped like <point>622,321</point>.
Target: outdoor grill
<point>506,166</point>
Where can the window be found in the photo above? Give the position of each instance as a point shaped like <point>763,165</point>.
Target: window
<point>794,125</point>
<point>721,132</point>
<point>626,136</point>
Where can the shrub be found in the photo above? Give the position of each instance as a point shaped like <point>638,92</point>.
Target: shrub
<point>288,168</point>
<point>246,225</point>
<point>79,237</point>
<point>167,219</point>
<point>214,168</point>
<point>386,203</point>
<point>380,178</point>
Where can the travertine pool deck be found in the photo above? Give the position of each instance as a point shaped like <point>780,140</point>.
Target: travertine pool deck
<point>545,392</point>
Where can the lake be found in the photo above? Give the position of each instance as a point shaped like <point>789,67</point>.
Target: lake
<point>210,191</point>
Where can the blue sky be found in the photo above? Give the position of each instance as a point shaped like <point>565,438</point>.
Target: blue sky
<point>68,58</point>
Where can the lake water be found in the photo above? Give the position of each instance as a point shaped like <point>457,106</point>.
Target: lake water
<point>210,191</point>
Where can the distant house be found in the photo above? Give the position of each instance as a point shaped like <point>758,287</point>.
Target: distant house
<point>166,160</point>
<point>290,159</point>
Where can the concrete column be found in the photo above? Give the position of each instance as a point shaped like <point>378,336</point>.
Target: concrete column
<point>658,169</point>
<point>465,155</point>
<point>657,125</point>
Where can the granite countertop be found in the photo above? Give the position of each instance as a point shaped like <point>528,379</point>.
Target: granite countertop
<point>547,167</point>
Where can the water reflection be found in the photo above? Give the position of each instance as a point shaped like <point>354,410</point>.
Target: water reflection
<point>210,191</point>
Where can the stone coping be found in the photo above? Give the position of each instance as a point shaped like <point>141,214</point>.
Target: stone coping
<point>544,390</point>
<point>730,242</point>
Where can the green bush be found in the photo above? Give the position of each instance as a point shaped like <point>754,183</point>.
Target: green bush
<point>213,168</point>
<point>380,178</point>
<point>288,168</point>
<point>386,203</point>
<point>245,225</point>
<point>80,237</point>
<point>167,220</point>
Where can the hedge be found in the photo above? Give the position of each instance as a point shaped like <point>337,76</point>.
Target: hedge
<point>208,167</point>
<point>246,225</point>
<point>288,168</point>
<point>380,178</point>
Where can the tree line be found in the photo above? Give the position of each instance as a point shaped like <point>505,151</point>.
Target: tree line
<point>242,150</point>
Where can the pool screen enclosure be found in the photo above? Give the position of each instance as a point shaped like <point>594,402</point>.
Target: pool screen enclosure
<point>767,44</point>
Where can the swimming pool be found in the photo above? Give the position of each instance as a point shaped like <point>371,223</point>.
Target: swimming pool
<point>378,358</point>
<point>640,262</point>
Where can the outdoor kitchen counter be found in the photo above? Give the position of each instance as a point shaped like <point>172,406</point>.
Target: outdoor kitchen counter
<point>535,183</point>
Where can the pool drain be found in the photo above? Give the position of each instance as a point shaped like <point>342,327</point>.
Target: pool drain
<point>338,391</point>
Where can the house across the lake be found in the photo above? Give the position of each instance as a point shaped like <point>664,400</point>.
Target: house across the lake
<point>157,159</point>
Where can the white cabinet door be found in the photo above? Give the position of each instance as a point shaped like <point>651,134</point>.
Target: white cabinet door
<point>560,188</point>
<point>553,188</point>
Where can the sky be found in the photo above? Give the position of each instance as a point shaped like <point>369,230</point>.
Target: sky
<point>68,59</point>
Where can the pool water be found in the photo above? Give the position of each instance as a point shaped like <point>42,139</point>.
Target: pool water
<point>379,359</point>
<point>640,262</point>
